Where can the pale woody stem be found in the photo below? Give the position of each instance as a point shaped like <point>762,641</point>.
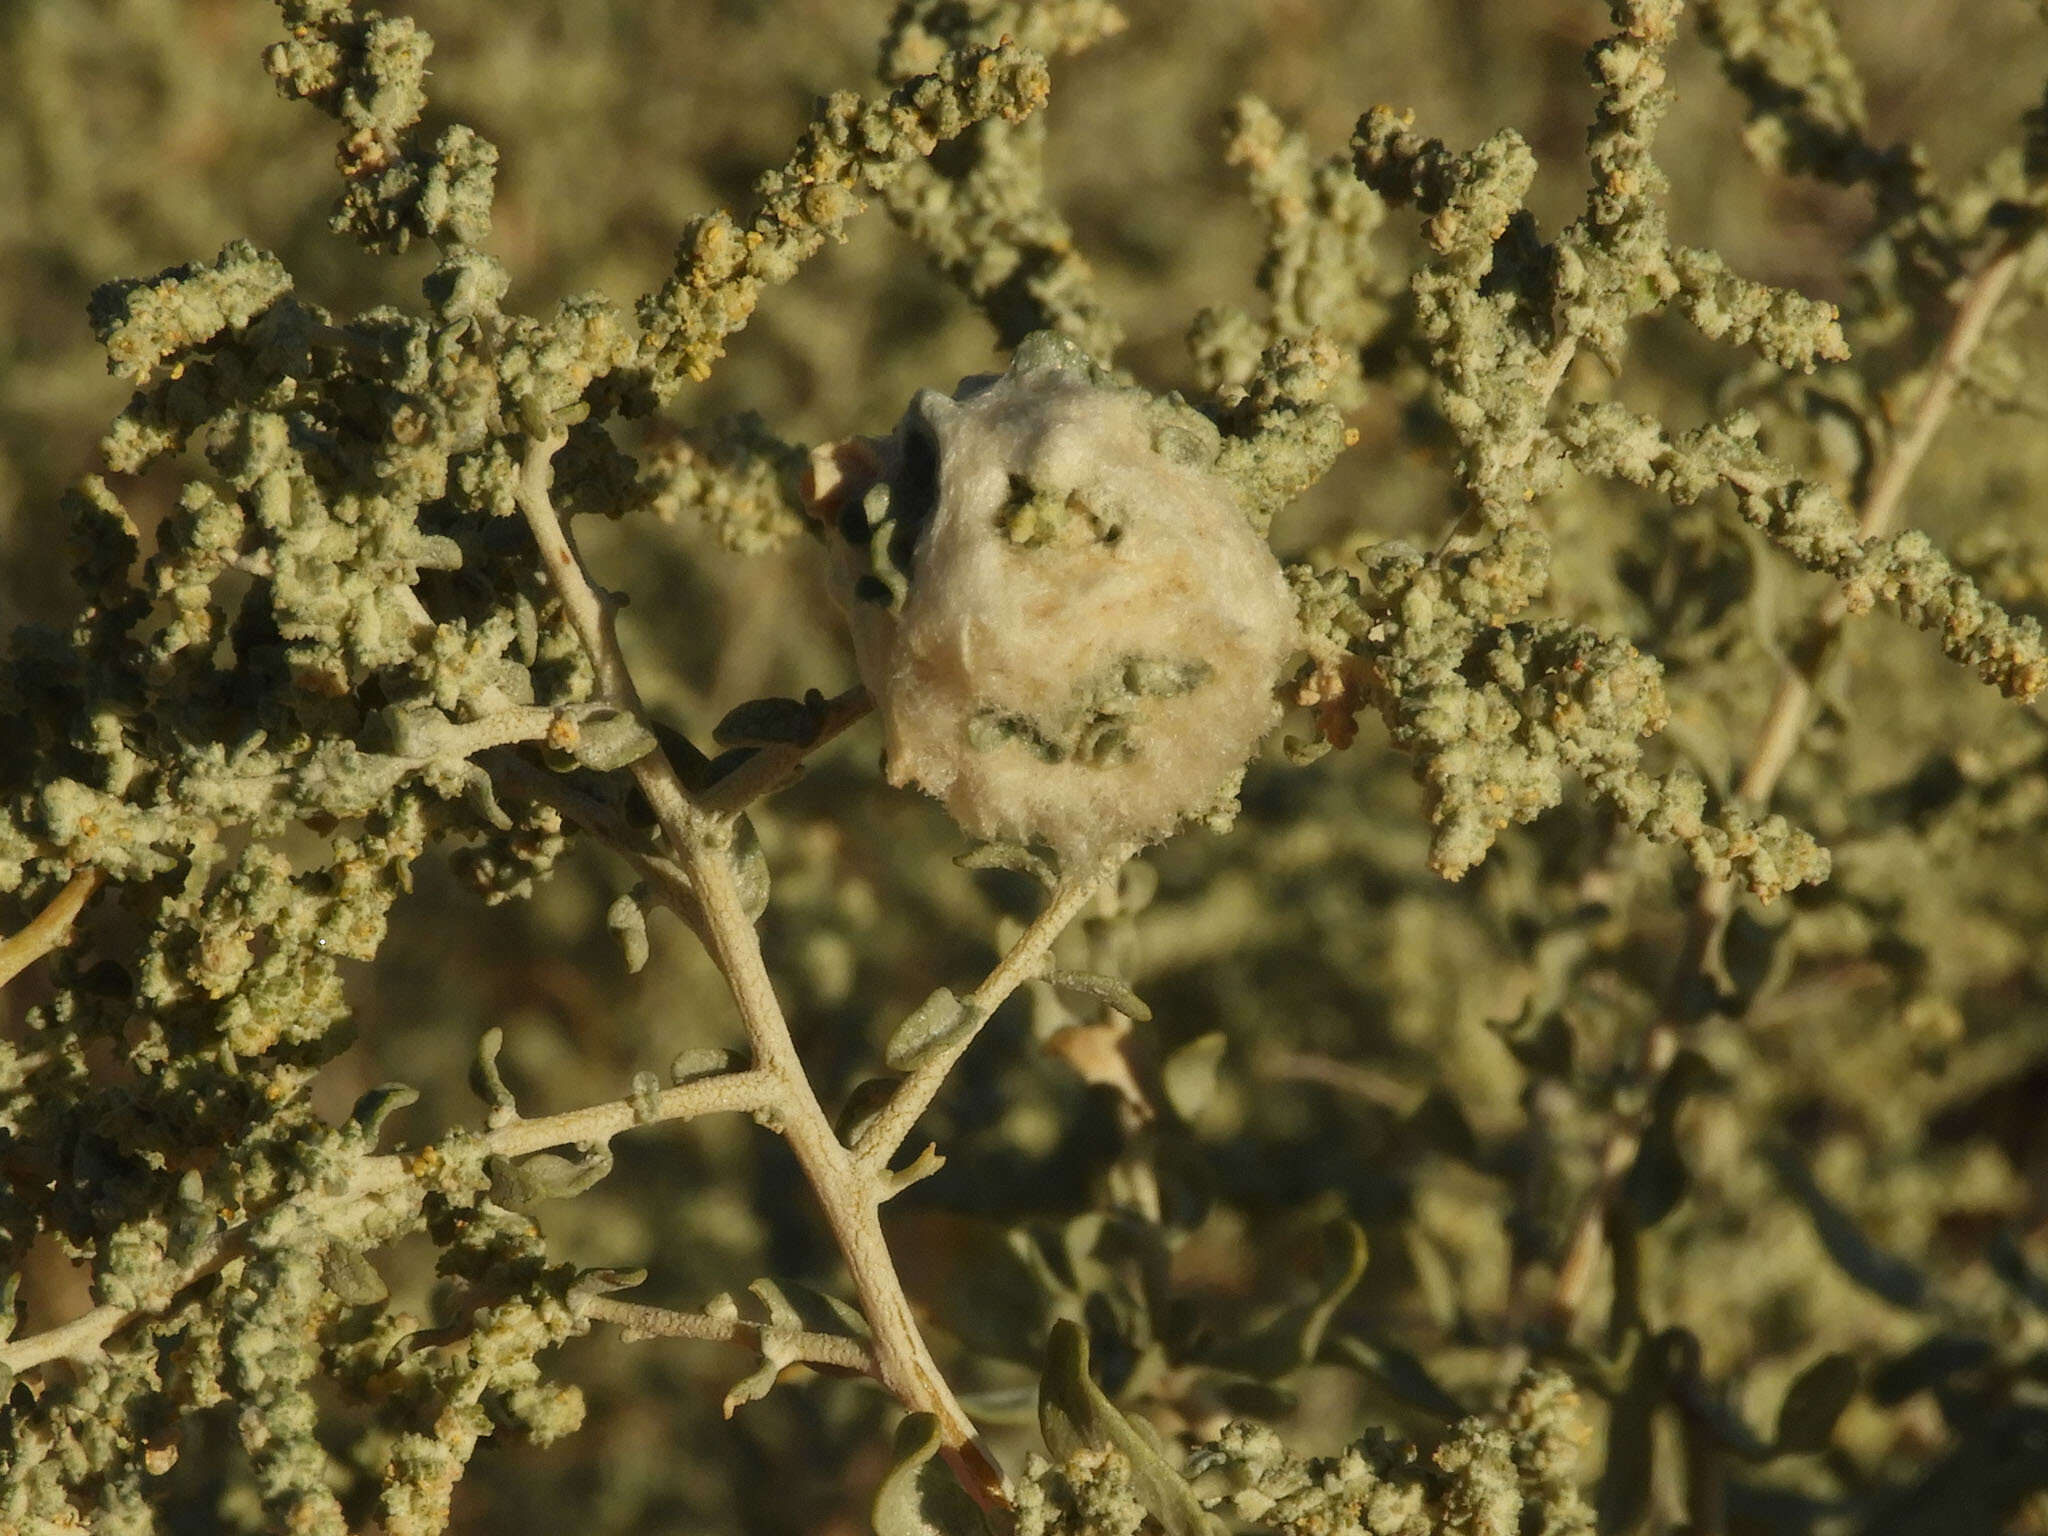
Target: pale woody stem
<point>731,1092</point>
<point>773,766</point>
<point>659,1322</point>
<point>1777,740</point>
<point>1785,722</point>
<point>48,928</point>
<point>885,1132</point>
<point>847,1189</point>
<point>850,1185</point>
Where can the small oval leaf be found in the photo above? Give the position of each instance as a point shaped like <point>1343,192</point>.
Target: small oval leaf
<point>920,1496</point>
<point>929,1028</point>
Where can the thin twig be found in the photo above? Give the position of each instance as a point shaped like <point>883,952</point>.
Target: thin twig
<point>847,1193</point>
<point>83,1335</point>
<point>772,768</point>
<point>591,617</point>
<point>514,776</point>
<point>1784,726</point>
<point>741,1092</point>
<point>642,1321</point>
<point>746,1091</point>
<point>48,928</point>
<point>1345,1076</point>
<point>885,1132</point>
<point>1974,311</point>
<point>1785,722</point>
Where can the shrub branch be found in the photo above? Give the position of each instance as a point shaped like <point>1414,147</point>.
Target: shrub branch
<point>1777,740</point>
<point>700,841</point>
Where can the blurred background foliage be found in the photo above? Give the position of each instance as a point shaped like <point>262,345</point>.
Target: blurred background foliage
<point>1862,1165</point>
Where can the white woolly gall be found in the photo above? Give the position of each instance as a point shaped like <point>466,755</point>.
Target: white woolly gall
<point>1070,628</point>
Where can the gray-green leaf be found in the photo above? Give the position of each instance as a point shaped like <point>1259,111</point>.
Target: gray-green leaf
<point>927,1030</point>
<point>1290,1340</point>
<point>1075,1416</point>
<point>611,739</point>
<point>1106,990</point>
<point>920,1496</point>
<point>1190,1073</point>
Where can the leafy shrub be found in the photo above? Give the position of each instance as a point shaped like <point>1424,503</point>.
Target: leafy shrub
<point>1680,1162</point>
